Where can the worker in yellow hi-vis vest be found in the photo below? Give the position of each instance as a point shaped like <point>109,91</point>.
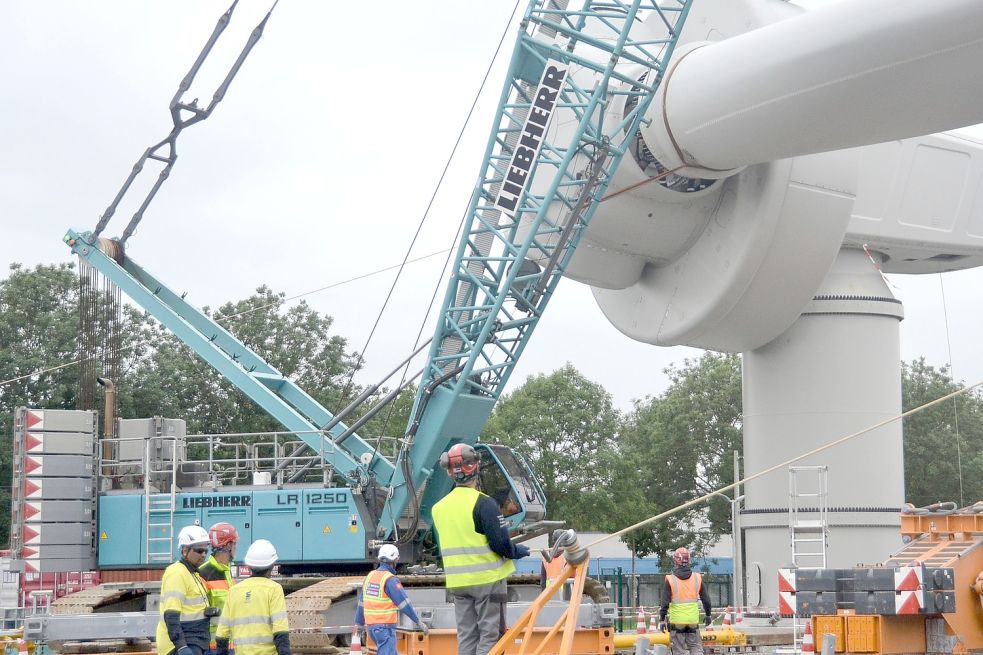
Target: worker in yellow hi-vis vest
<point>217,571</point>
<point>255,614</point>
<point>682,595</point>
<point>477,553</point>
<point>183,626</point>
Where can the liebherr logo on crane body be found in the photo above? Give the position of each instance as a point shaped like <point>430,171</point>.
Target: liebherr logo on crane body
<point>216,501</point>
<point>531,141</point>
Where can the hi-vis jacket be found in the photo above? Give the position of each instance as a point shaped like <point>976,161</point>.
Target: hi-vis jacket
<point>376,603</point>
<point>382,599</point>
<point>218,581</point>
<point>684,607</point>
<point>255,610</point>
<point>468,558</point>
<point>182,591</point>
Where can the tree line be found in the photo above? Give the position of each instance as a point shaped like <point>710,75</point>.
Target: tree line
<point>601,468</point>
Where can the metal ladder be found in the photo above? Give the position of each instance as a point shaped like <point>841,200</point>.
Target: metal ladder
<point>159,507</point>
<point>808,513</point>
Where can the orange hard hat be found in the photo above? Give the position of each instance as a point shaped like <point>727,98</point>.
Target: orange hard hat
<point>460,462</point>
<point>223,535</point>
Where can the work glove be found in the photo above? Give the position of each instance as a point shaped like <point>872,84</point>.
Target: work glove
<point>521,551</point>
<point>707,621</point>
<point>185,650</point>
<point>423,628</point>
<point>662,626</point>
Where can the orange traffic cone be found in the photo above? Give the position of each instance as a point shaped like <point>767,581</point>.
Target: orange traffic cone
<point>356,648</point>
<point>808,645</point>
<point>640,624</point>
<point>727,616</point>
<point>22,647</point>
<point>740,617</point>
<point>653,624</point>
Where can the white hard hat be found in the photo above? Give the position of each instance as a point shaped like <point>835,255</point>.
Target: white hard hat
<point>192,535</point>
<point>388,553</point>
<point>261,554</point>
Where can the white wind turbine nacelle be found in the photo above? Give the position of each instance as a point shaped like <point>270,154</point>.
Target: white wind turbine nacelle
<point>728,249</point>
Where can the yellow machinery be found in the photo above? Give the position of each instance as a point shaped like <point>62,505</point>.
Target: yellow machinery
<point>725,636</point>
<point>564,637</point>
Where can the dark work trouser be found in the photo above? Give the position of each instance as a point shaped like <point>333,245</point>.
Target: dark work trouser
<point>480,615</point>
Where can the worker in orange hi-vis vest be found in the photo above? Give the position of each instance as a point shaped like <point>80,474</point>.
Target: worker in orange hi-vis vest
<point>681,598</point>
<point>380,601</point>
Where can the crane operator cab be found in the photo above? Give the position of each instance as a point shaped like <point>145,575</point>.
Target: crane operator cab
<point>507,477</point>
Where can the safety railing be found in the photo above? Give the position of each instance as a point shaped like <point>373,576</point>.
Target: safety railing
<point>160,464</point>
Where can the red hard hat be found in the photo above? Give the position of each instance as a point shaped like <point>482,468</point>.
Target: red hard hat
<point>681,556</point>
<point>460,462</point>
<point>223,535</point>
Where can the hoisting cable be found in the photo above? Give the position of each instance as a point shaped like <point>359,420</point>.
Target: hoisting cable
<point>334,284</point>
<point>433,196</point>
<point>362,397</point>
<point>450,251</point>
<point>403,458</point>
<point>423,324</point>
<point>43,370</point>
<point>772,469</point>
<point>181,119</point>
<point>955,401</point>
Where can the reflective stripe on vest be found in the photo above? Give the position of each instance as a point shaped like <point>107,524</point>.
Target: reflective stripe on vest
<point>684,607</point>
<point>468,559</point>
<point>183,592</point>
<point>254,611</point>
<point>218,581</point>
<point>379,608</point>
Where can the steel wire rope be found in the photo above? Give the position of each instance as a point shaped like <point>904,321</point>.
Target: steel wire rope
<point>433,196</point>
<point>775,467</point>
<point>460,226</point>
<point>403,451</point>
<point>955,401</point>
<point>256,309</point>
<point>655,178</point>
<point>332,285</point>
<point>44,370</point>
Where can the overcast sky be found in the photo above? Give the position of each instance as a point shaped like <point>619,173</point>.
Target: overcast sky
<point>316,168</point>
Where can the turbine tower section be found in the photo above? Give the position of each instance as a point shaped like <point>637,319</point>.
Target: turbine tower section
<point>782,168</point>
<point>833,373</point>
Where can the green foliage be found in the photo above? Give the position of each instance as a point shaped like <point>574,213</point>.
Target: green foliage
<point>681,444</point>
<point>600,470</point>
<point>38,322</point>
<point>941,465</point>
<point>566,426</point>
<point>162,377</point>
<point>171,381</point>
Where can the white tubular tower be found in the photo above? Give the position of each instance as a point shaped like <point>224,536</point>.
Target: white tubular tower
<point>833,373</point>
<point>784,166</point>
